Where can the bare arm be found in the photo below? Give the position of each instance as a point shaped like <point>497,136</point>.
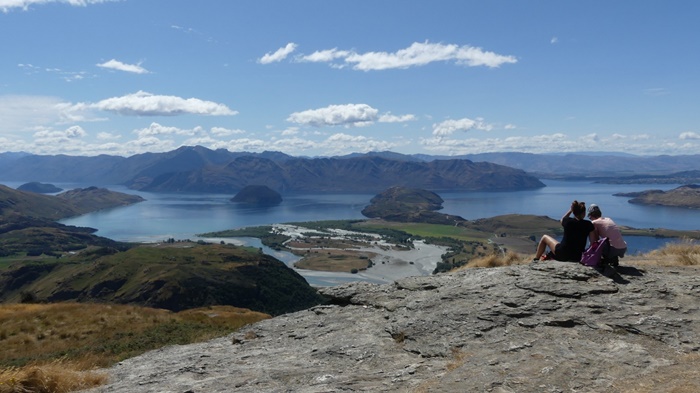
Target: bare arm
<point>565,217</point>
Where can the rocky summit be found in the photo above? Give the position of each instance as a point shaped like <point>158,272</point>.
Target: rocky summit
<point>543,327</point>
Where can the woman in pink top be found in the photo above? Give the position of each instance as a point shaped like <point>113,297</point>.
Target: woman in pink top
<point>606,227</point>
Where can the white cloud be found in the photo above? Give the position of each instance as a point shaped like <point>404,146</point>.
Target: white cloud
<point>343,143</point>
<point>449,127</point>
<point>689,135</point>
<point>119,66</point>
<point>158,129</point>
<point>246,144</point>
<point>510,126</point>
<point>146,104</point>
<point>279,55</point>
<point>333,115</point>
<point>554,40</point>
<point>68,76</point>
<point>8,5</point>
<point>290,131</point>
<point>591,138</point>
<point>557,143</point>
<point>69,133</point>
<point>417,54</point>
<point>63,141</point>
<point>26,112</point>
<point>324,56</point>
<point>389,118</point>
<point>107,136</point>
<point>220,131</point>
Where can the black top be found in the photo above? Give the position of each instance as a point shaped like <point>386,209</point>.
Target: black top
<point>575,237</point>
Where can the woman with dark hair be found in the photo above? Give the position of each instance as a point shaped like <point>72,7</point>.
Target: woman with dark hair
<point>576,231</point>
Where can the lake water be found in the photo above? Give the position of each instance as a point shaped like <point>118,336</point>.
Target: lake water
<point>182,216</point>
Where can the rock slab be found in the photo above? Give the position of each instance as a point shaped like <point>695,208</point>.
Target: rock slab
<point>543,327</point>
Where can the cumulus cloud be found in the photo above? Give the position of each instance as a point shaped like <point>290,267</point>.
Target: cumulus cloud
<point>69,133</point>
<point>107,136</point>
<point>27,112</point>
<point>344,143</point>
<point>290,131</point>
<point>333,115</point>
<point>221,131</point>
<point>8,5</point>
<point>449,127</point>
<point>389,118</point>
<point>146,104</point>
<point>556,143</point>
<point>119,66</point>
<point>279,55</point>
<point>158,129</point>
<point>689,135</point>
<point>417,54</point>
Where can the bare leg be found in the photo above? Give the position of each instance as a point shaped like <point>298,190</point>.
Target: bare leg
<point>546,241</point>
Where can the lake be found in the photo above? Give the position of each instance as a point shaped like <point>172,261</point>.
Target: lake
<point>182,216</point>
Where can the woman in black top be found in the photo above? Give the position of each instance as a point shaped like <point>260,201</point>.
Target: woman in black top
<point>576,231</point>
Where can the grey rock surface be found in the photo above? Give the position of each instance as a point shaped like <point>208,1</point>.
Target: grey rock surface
<point>543,327</point>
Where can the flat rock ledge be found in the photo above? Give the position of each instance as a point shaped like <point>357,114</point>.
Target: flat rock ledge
<point>543,327</point>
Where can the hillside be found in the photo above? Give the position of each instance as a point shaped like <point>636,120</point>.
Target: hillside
<point>175,276</point>
<point>14,202</point>
<point>544,327</point>
<point>28,225</point>
<point>401,204</point>
<point>362,174</point>
<point>687,196</point>
<point>66,204</point>
<point>256,195</point>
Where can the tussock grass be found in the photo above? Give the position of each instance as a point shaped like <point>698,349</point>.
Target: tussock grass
<point>685,253</point>
<point>55,377</point>
<point>56,347</point>
<point>494,260</point>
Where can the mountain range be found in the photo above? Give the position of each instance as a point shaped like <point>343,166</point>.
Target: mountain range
<point>198,169</point>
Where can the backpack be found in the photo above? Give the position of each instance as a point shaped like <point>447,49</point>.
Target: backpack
<point>592,256</point>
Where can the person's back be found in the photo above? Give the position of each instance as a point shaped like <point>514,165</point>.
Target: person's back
<point>575,237</point>
<point>606,227</point>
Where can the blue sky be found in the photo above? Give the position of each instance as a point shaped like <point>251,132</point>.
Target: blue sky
<point>331,77</point>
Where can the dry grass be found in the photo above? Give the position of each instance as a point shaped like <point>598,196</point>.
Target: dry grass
<point>57,347</point>
<point>495,260</point>
<point>55,377</point>
<point>685,253</point>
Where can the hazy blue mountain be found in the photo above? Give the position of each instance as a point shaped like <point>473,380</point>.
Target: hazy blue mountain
<point>198,169</point>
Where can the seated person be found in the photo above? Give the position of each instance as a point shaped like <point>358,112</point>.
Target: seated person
<point>606,227</point>
<point>576,231</point>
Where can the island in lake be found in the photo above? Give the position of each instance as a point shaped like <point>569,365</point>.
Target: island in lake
<point>687,196</point>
